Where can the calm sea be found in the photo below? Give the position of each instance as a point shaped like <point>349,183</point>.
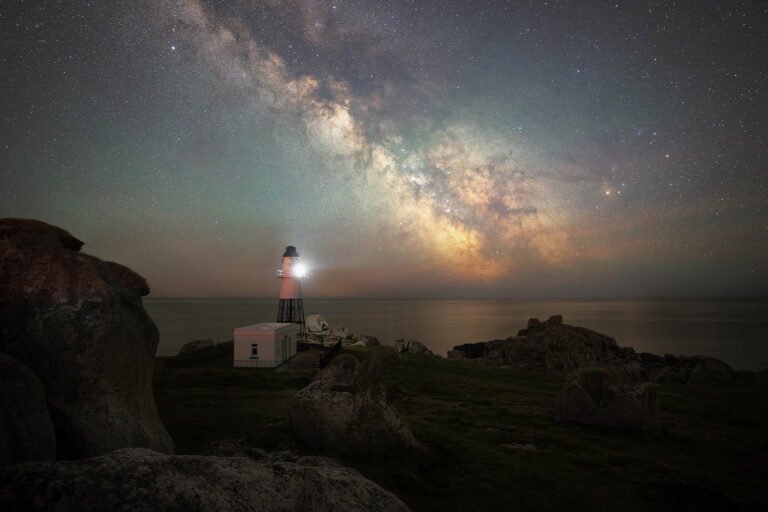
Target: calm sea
<point>735,331</point>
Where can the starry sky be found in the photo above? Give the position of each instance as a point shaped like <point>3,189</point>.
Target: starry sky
<point>410,149</point>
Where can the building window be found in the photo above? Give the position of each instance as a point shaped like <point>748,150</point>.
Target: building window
<point>254,351</point>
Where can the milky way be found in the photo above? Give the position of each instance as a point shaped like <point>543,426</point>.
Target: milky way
<point>410,149</point>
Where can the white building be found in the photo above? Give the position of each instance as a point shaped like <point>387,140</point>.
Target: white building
<point>264,345</point>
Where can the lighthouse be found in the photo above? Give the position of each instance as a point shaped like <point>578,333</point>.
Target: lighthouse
<point>291,308</point>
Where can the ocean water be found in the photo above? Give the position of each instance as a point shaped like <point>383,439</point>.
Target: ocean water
<point>735,331</point>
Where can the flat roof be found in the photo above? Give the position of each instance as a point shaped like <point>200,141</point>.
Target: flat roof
<point>264,327</point>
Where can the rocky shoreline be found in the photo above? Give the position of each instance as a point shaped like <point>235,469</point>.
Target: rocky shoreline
<point>557,347</point>
<point>550,346</point>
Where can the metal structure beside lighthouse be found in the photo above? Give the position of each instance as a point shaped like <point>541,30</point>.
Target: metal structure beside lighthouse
<point>291,308</point>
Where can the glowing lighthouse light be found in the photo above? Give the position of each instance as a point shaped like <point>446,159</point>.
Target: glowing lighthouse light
<point>291,307</point>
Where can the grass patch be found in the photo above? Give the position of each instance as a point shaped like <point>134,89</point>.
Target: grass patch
<point>492,442</point>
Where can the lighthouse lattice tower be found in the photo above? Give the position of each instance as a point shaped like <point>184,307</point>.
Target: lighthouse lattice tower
<point>291,308</point>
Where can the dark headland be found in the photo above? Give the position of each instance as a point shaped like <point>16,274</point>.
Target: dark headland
<point>557,417</point>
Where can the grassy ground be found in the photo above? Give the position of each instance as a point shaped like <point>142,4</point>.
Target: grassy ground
<point>492,442</point>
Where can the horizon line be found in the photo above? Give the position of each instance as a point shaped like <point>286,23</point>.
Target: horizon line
<point>584,298</point>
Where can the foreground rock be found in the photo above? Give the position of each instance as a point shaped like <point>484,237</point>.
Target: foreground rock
<point>79,325</point>
<point>710,370</point>
<point>556,347</point>
<point>591,396</point>
<point>142,480</point>
<point>344,410</point>
<point>26,431</point>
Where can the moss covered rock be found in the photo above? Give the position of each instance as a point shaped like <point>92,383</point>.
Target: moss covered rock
<point>592,396</point>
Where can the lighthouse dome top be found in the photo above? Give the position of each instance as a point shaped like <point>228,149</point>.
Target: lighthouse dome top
<point>290,252</point>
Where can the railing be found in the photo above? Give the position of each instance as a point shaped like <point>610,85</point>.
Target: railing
<point>330,354</point>
<point>256,363</point>
<point>294,363</point>
<point>302,364</point>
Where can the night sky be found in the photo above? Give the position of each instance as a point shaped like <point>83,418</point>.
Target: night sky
<point>407,148</point>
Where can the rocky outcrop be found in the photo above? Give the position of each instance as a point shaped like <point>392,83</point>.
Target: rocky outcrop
<point>552,346</point>
<point>709,370</point>
<point>340,332</point>
<point>470,350</point>
<point>143,480</point>
<point>195,345</point>
<point>364,341</point>
<point>79,325</point>
<point>758,377</point>
<point>316,323</point>
<point>556,347</point>
<point>26,431</point>
<point>412,347</point>
<point>344,410</point>
<point>592,396</point>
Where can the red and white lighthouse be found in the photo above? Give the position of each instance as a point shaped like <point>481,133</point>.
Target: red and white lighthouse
<point>291,308</point>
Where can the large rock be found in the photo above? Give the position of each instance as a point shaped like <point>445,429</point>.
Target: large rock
<point>673,375</point>
<point>316,323</point>
<point>26,431</point>
<point>592,396</point>
<point>142,480</point>
<point>556,347</point>
<point>344,410</point>
<point>417,347</point>
<point>79,324</point>
<point>412,347</point>
<point>472,350</point>
<point>553,346</point>
<point>709,370</point>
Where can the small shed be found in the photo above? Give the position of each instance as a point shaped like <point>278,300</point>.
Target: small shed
<point>264,345</point>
